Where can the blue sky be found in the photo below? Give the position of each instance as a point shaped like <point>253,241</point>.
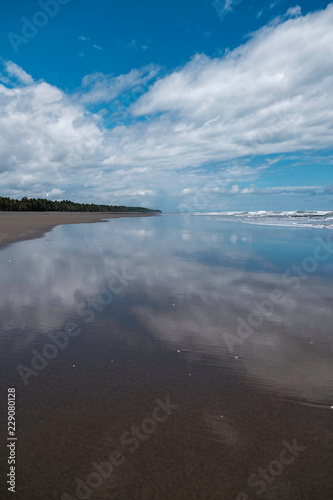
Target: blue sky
<point>183,106</point>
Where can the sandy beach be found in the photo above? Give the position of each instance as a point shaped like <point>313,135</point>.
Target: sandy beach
<point>166,358</point>
<point>17,226</point>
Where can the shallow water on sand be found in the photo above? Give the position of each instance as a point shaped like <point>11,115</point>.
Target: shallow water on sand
<point>190,355</point>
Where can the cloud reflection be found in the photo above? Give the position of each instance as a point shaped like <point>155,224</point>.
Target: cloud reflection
<point>186,292</point>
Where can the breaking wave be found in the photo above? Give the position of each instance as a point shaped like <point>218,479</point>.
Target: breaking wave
<point>299,218</point>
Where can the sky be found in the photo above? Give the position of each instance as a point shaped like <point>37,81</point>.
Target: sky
<point>184,106</point>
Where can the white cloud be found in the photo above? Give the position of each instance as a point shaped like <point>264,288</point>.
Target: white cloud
<point>43,136</point>
<point>144,192</point>
<point>284,190</point>
<point>14,70</point>
<point>55,192</point>
<point>98,87</point>
<point>91,44</point>
<point>294,11</point>
<point>225,7</point>
<point>259,14</point>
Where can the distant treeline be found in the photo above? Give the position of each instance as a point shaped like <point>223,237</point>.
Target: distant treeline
<point>43,205</point>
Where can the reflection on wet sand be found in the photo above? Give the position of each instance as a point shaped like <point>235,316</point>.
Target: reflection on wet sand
<point>154,300</point>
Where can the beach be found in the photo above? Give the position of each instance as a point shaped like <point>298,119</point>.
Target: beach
<point>170,357</point>
<point>18,226</point>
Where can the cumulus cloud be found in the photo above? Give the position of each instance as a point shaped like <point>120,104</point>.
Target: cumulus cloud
<point>43,135</point>
<point>270,96</point>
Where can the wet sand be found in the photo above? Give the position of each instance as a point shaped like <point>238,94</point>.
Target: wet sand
<point>152,300</point>
<point>19,226</point>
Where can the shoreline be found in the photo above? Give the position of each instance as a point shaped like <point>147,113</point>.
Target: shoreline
<point>20,226</point>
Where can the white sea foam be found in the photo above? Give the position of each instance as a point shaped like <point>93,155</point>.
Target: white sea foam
<point>316,218</point>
